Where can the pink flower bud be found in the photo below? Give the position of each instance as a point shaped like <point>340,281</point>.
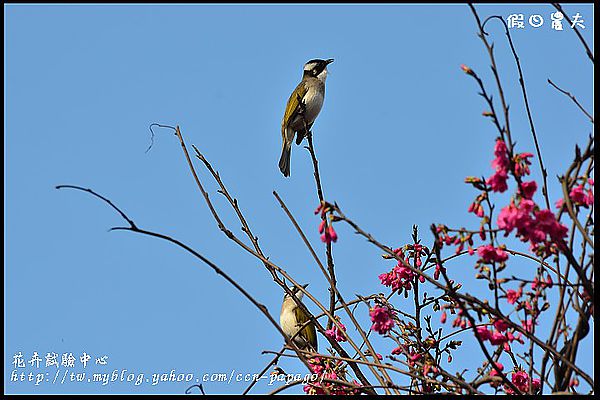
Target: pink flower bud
<point>333,233</point>
<point>322,226</point>
<point>319,208</point>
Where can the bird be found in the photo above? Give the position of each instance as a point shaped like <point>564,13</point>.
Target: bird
<point>302,108</point>
<point>292,318</point>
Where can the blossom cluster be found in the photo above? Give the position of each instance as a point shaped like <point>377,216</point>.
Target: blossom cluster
<point>328,234</point>
<point>489,254</point>
<point>400,277</point>
<point>382,318</point>
<point>539,227</point>
<point>501,335</point>
<point>336,333</point>
<point>532,224</point>
<point>501,164</point>
<point>521,380</point>
<point>327,368</point>
<point>580,195</point>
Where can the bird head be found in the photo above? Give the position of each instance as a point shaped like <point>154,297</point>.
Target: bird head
<point>317,68</point>
<point>297,292</point>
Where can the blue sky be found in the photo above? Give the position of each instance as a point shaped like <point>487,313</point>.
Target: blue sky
<point>400,129</point>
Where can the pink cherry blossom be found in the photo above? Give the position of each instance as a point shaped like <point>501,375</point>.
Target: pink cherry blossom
<point>497,338</point>
<point>382,318</point>
<point>498,181</point>
<point>512,295</point>
<point>582,197</point>
<point>522,380</point>
<point>501,325</point>
<point>577,195</point>
<point>483,333</point>
<point>528,189</point>
<point>399,278</point>
<point>501,163</point>
<point>336,334</point>
<point>493,372</point>
<point>489,253</point>
<point>522,164</point>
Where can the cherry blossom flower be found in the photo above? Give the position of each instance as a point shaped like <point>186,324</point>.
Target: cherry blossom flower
<point>336,333</point>
<point>399,278</point>
<point>528,189</point>
<point>489,253</point>
<point>494,372</point>
<point>512,296</point>
<point>522,164</point>
<point>501,163</point>
<point>533,226</point>
<point>498,181</point>
<point>483,333</point>
<point>581,197</point>
<point>498,338</point>
<point>382,318</point>
<point>501,325</point>
<point>521,381</point>
<point>528,324</point>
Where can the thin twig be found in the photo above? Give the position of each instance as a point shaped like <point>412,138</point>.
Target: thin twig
<point>581,39</point>
<point>328,248</point>
<point>573,98</point>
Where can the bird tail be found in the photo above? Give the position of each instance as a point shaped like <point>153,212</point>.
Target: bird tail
<point>286,151</point>
<point>284,161</point>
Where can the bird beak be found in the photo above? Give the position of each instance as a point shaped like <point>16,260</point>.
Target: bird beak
<point>304,286</point>
<point>328,61</point>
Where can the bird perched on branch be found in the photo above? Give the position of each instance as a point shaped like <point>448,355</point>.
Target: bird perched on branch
<point>292,318</point>
<point>302,108</point>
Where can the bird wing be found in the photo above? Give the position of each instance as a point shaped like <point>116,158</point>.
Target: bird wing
<point>309,332</point>
<point>292,107</point>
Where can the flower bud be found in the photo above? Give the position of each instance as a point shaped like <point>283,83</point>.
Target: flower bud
<point>467,70</point>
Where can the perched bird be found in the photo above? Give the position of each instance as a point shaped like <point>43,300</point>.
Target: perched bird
<point>302,108</point>
<point>292,318</point>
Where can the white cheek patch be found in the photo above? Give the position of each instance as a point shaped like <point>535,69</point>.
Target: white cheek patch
<point>323,75</point>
